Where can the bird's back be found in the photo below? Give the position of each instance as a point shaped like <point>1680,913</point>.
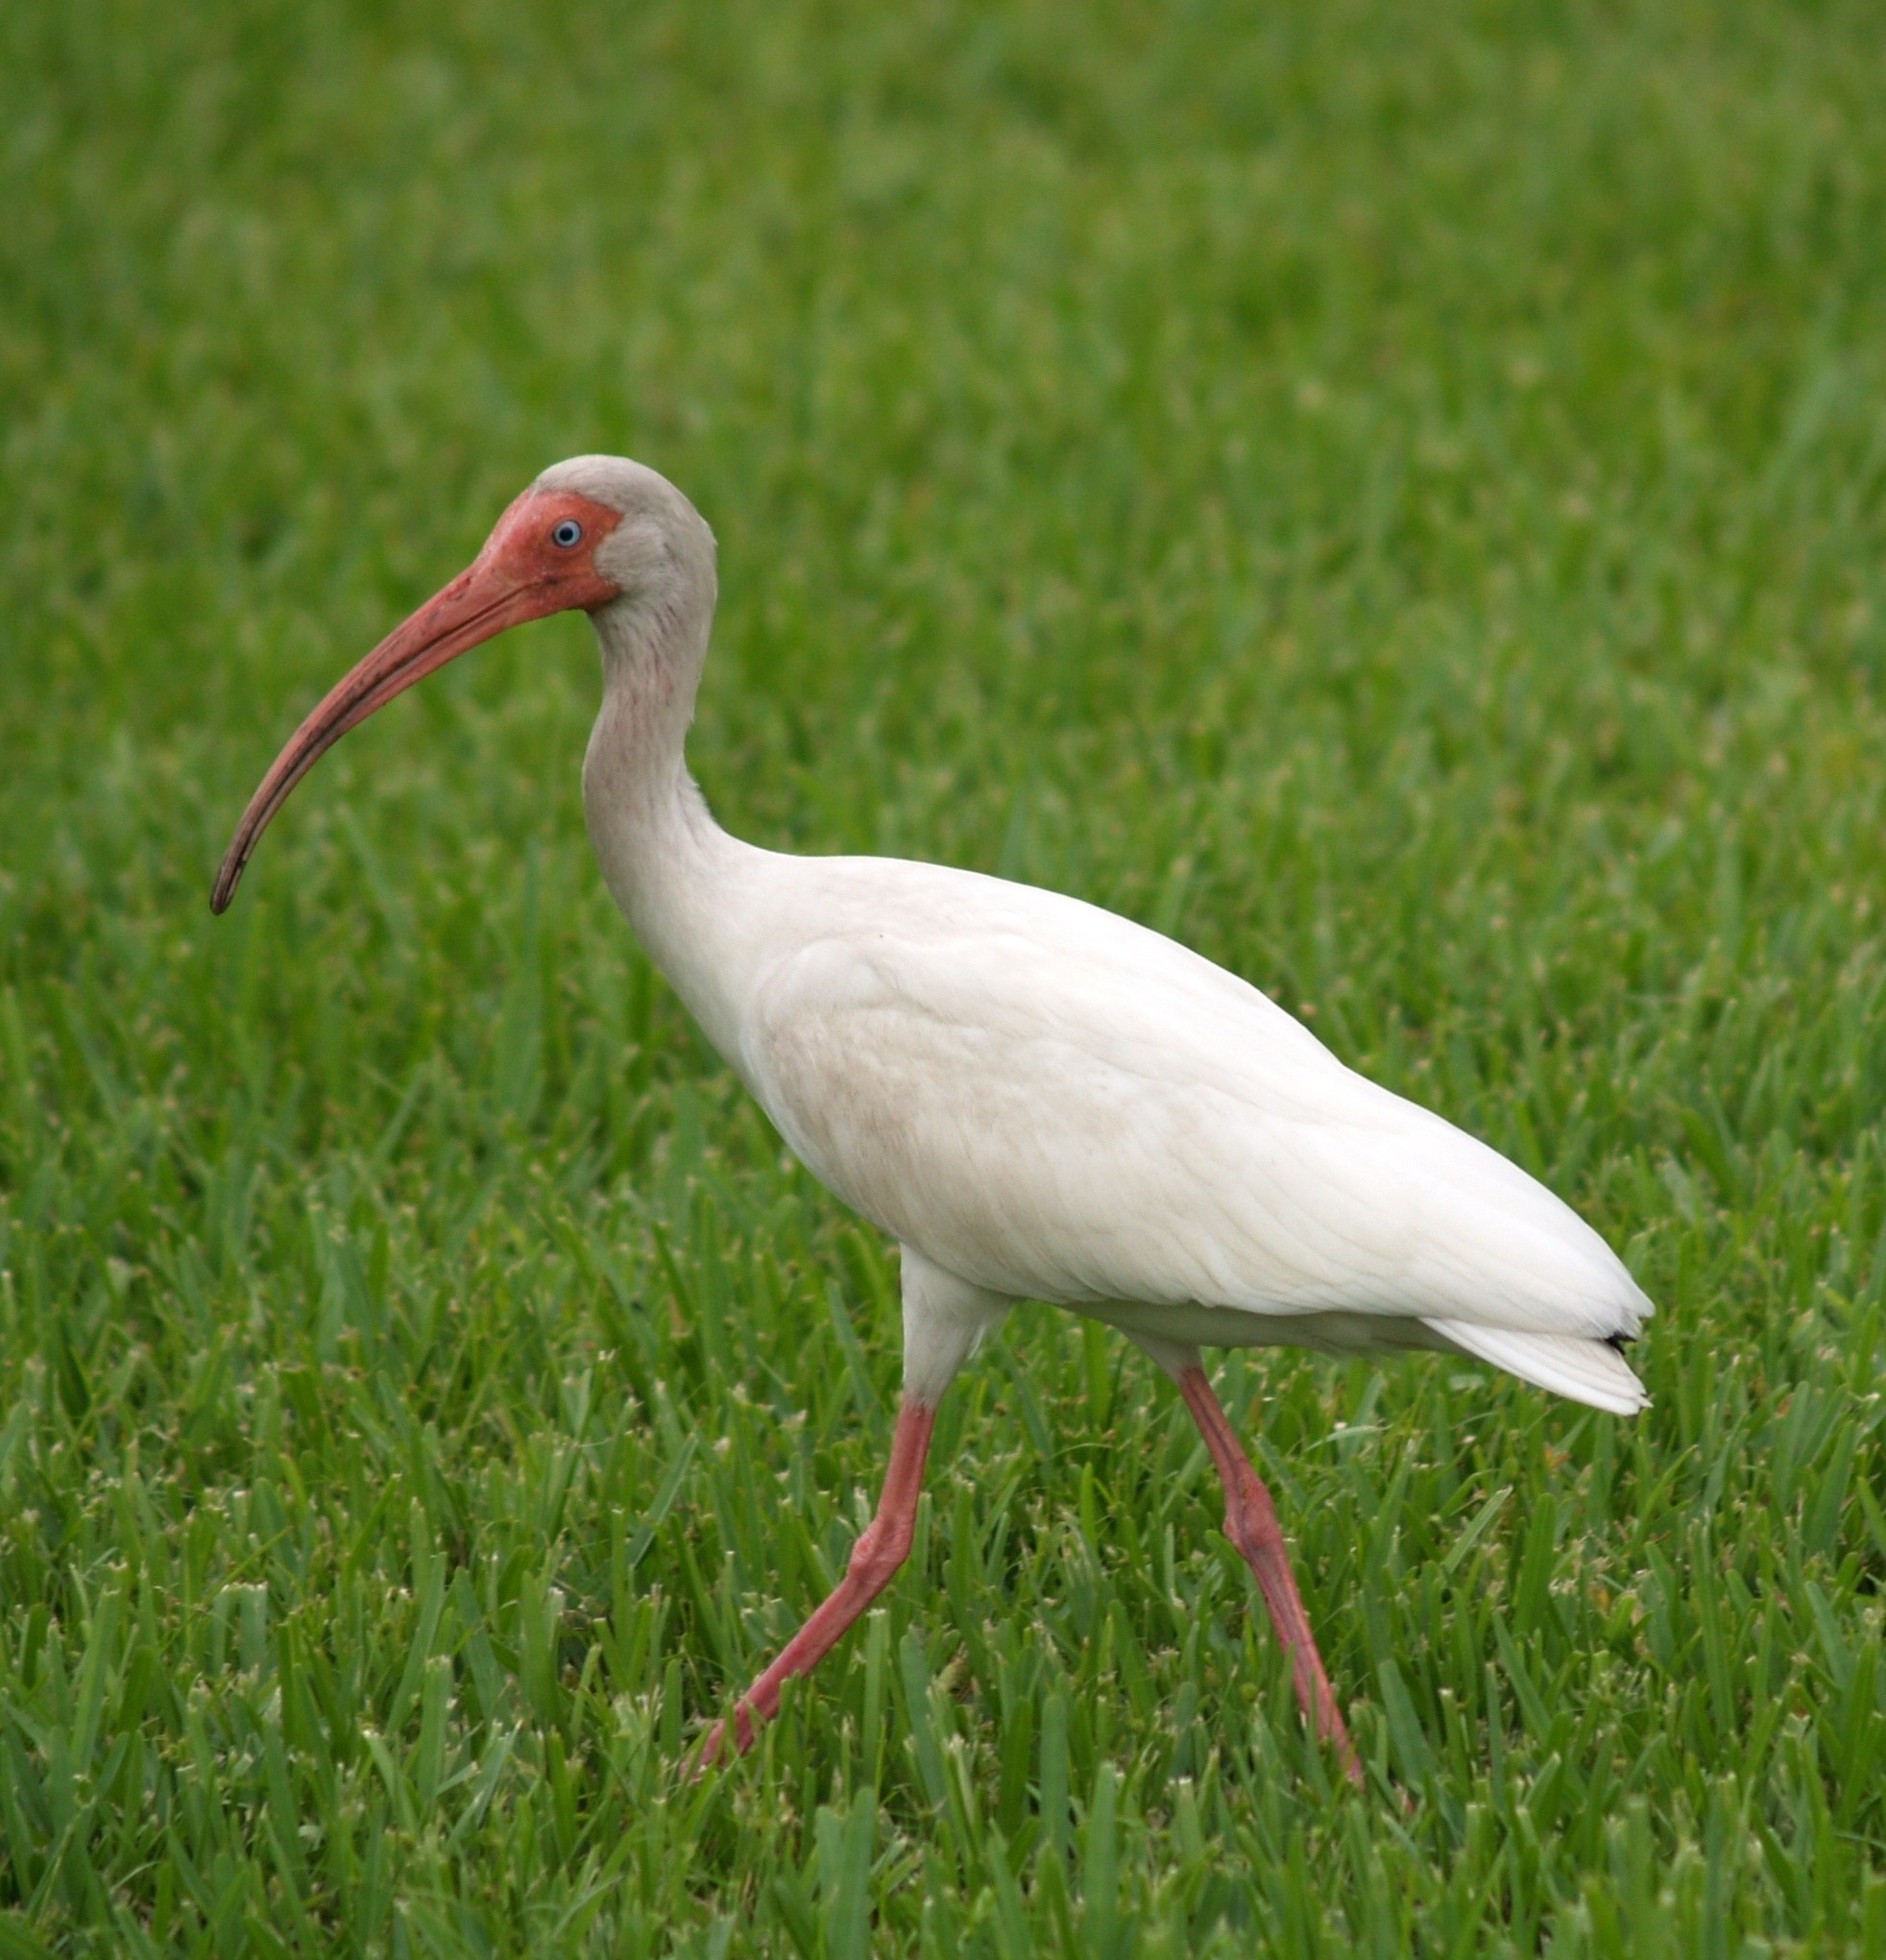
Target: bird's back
<point>1056,1103</point>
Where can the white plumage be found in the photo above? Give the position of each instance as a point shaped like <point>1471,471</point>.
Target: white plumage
<point>1057,1105</point>
<point>1036,1099</point>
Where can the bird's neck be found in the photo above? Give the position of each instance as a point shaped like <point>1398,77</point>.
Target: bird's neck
<point>681,881</point>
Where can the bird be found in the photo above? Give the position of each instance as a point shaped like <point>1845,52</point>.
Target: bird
<point>1035,1097</point>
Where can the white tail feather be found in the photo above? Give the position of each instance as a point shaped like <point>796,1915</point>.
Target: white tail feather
<point>1587,1371</point>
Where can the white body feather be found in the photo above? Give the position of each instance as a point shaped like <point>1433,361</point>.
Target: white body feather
<point>1054,1103</point>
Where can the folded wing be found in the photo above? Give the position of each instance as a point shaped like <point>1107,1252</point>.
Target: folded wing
<point>1058,1104</point>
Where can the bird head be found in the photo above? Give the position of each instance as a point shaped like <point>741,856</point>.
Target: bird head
<point>586,534</point>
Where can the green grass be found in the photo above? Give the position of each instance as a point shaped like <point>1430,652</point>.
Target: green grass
<point>1395,495</point>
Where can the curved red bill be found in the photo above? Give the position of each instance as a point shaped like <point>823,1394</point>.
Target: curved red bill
<point>520,574</point>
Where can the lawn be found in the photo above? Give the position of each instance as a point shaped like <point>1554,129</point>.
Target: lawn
<point>1395,497</point>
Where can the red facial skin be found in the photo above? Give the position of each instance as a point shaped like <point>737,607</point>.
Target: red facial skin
<point>522,574</point>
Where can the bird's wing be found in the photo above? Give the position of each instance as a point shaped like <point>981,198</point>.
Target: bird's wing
<point>1058,1104</point>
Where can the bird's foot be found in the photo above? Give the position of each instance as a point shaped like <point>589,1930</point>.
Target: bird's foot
<point>729,1739</point>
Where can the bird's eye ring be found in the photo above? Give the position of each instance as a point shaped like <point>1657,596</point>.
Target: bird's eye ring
<point>567,533</point>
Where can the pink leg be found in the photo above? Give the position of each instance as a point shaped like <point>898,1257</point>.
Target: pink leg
<point>1250,1523</point>
<point>883,1547</point>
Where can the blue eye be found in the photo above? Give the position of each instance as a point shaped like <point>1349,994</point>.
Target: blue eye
<point>567,533</point>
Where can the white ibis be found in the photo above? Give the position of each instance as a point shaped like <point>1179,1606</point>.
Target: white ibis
<point>1036,1098</point>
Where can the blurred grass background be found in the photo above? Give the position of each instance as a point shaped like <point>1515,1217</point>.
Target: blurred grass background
<point>1394,496</point>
